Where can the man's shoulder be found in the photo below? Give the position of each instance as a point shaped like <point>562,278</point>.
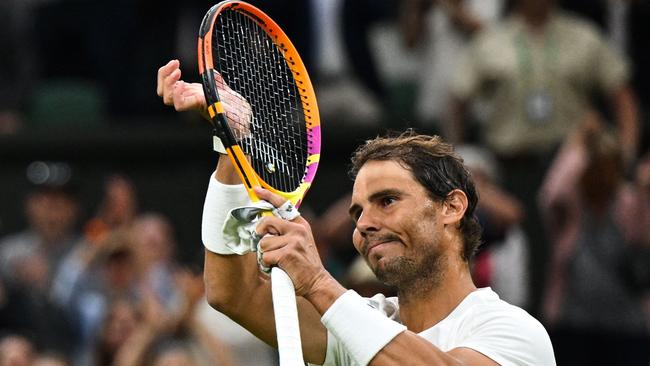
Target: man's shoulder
<point>486,306</point>
<point>506,333</point>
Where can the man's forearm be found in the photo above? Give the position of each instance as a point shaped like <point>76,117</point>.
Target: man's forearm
<point>325,293</point>
<point>231,281</point>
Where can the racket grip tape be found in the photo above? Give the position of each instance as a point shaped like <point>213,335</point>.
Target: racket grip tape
<point>286,319</point>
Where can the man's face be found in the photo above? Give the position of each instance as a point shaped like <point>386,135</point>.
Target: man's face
<point>397,227</point>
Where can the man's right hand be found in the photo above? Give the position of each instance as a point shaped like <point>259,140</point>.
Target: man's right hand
<point>177,93</point>
<point>189,96</point>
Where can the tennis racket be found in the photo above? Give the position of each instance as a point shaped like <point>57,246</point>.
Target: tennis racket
<point>271,128</point>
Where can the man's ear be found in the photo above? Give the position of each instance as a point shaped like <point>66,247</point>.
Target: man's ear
<point>454,207</point>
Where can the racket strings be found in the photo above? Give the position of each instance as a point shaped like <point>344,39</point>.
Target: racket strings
<point>274,135</point>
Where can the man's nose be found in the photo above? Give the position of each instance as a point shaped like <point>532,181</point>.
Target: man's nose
<point>368,222</point>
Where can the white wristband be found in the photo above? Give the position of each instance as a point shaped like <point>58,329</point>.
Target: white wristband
<point>219,200</point>
<point>362,330</point>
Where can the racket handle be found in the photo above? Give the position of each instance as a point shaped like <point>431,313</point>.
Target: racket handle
<point>286,318</point>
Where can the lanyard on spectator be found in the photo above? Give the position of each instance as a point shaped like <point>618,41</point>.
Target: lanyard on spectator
<point>539,101</point>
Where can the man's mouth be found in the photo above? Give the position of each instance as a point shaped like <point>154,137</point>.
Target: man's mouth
<point>375,242</point>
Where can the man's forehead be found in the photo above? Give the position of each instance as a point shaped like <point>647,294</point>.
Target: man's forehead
<point>385,168</point>
<point>381,174</point>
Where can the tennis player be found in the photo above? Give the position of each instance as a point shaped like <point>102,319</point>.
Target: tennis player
<point>413,205</point>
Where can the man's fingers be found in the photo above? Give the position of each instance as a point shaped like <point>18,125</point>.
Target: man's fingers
<point>168,86</point>
<point>188,96</point>
<point>270,225</point>
<point>182,100</point>
<point>163,72</point>
<point>269,196</point>
<point>270,259</point>
<point>271,242</point>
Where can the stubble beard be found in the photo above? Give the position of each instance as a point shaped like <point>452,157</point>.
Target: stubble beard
<point>413,276</point>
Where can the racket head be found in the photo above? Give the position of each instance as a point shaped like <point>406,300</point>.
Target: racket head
<point>243,48</point>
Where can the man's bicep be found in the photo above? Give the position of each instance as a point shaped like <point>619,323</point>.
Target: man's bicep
<point>410,348</point>
<point>468,356</point>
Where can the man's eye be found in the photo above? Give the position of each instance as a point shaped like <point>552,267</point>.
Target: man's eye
<point>387,201</point>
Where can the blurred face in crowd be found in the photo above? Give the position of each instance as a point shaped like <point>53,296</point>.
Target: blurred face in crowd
<point>52,214</point>
<point>152,239</point>
<point>120,203</point>
<point>120,323</point>
<point>16,351</point>
<point>120,270</point>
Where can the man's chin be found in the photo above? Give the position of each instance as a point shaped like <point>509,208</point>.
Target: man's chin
<point>387,271</point>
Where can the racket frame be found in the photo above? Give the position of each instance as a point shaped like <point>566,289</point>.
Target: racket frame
<point>216,109</point>
<point>283,292</point>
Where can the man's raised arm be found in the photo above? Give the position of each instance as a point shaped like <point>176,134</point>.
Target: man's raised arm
<point>234,284</point>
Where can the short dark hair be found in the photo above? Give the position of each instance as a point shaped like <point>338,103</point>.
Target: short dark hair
<point>435,165</point>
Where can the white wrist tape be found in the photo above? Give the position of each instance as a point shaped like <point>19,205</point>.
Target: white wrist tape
<point>219,200</point>
<point>362,330</point>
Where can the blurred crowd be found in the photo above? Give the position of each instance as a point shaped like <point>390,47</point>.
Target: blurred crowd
<point>110,293</point>
<point>547,102</point>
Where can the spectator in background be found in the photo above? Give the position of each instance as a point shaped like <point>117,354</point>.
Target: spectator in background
<point>117,209</point>
<point>598,223</point>
<point>29,259</point>
<point>110,274</point>
<point>357,17</point>
<point>120,323</point>
<point>116,212</point>
<point>144,332</point>
<point>433,32</point>
<point>444,32</point>
<point>502,260</point>
<point>538,71</point>
<point>153,243</point>
<point>16,350</point>
<point>102,265</point>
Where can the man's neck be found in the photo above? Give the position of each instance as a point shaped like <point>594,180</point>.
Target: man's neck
<point>420,310</point>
